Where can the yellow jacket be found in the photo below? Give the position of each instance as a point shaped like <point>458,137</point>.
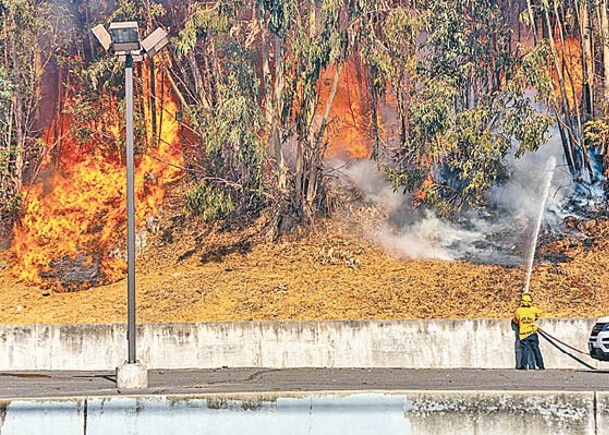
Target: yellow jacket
<point>525,318</point>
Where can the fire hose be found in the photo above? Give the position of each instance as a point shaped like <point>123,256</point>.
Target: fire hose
<point>554,342</point>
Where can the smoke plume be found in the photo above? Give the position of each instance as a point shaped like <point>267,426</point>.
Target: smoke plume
<point>499,234</point>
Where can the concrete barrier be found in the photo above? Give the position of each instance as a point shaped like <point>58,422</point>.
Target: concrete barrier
<point>477,343</point>
<point>404,413</point>
<point>602,413</point>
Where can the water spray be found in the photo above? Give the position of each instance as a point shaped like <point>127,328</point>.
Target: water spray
<point>549,172</point>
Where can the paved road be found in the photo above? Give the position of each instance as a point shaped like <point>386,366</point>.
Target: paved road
<point>236,380</point>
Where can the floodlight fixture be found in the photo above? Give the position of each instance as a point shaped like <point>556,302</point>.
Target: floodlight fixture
<point>102,36</point>
<point>155,42</point>
<point>125,37</point>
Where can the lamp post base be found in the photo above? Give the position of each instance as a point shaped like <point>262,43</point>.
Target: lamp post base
<point>132,376</point>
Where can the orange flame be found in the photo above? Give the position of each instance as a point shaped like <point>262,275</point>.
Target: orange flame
<point>348,137</point>
<point>78,212</point>
<point>574,80</point>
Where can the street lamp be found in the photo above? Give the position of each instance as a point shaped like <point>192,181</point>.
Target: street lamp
<point>123,39</point>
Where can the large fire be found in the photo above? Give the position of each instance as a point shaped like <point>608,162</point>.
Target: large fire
<point>74,216</point>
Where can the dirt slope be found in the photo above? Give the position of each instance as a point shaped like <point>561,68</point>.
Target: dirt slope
<point>192,272</point>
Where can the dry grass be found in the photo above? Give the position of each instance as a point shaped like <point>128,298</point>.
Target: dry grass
<point>190,272</point>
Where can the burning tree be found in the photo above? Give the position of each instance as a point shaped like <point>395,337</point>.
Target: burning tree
<point>218,53</point>
<point>306,38</point>
<point>73,215</point>
<point>574,35</point>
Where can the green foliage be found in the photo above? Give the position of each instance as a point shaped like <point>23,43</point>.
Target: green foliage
<point>389,41</point>
<point>480,140</point>
<point>532,74</point>
<point>96,102</point>
<point>222,106</point>
<point>406,180</point>
<point>6,93</point>
<point>447,39</point>
<point>29,37</point>
<point>597,133</point>
<point>96,105</point>
<point>468,108</point>
<point>203,23</point>
<point>475,147</point>
<point>231,132</point>
<point>210,201</point>
<point>431,116</point>
<point>141,11</point>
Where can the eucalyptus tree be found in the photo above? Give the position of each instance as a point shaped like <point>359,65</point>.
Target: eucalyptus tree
<point>300,41</point>
<point>576,34</point>
<point>272,18</point>
<point>93,87</point>
<point>30,35</point>
<point>213,71</point>
<point>318,40</point>
<point>389,40</point>
<point>467,103</point>
<point>593,31</point>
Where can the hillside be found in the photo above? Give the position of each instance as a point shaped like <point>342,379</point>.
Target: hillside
<point>191,272</point>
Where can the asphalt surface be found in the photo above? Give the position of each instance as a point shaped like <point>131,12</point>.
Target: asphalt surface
<point>19,385</point>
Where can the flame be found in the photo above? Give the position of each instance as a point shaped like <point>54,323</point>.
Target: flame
<point>76,212</point>
<point>348,135</point>
<point>574,80</point>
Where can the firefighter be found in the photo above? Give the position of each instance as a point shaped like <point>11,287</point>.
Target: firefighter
<point>525,317</point>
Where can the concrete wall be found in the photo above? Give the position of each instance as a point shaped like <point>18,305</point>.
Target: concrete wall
<point>403,413</point>
<point>481,343</point>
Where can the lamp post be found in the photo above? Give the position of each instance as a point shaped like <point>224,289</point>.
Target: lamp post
<point>123,39</point>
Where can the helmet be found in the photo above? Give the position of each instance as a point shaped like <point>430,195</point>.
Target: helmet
<point>526,300</point>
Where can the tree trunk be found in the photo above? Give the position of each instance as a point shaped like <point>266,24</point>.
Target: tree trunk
<point>154,119</point>
<point>579,133</point>
<point>17,103</point>
<point>273,90</point>
<point>376,144</point>
<point>90,42</point>
<point>198,80</point>
<point>576,169</point>
<point>532,19</point>
<point>277,110</point>
<point>564,140</point>
<point>604,25</point>
<point>583,18</point>
<point>315,174</point>
<point>406,100</point>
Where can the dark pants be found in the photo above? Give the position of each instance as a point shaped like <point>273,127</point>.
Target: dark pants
<point>518,349</point>
<point>530,353</point>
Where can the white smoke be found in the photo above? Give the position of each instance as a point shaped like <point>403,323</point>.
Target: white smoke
<point>499,234</point>
<point>372,183</point>
<point>407,232</point>
<point>520,195</point>
<point>430,237</point>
